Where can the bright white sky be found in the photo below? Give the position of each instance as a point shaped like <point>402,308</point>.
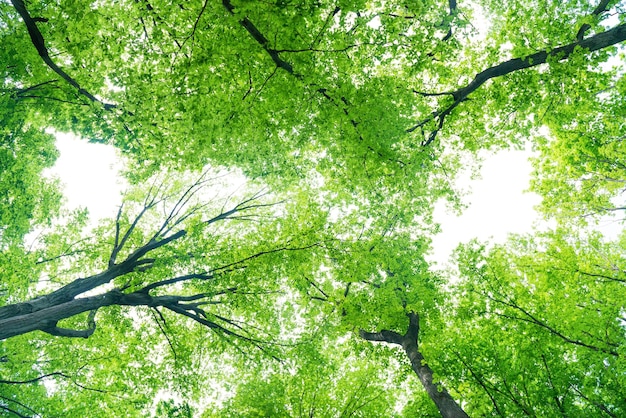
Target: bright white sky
<point>90,175</point>
<point>498,207</point>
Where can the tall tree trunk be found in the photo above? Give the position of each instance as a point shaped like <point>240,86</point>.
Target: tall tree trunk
<point>447,406</point>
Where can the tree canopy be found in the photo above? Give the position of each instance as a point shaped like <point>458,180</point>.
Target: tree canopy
<point>284,158</point>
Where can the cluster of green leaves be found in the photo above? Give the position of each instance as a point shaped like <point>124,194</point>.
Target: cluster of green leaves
<point>340,109</point>
<point>581,170</point>
<point>538,327</point>
<point>27,198</point>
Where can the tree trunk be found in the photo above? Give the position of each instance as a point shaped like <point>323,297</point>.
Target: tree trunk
<point>447,406</point>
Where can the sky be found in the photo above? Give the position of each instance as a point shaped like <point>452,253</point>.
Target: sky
<point>90,174</point>
<point>498,204</point>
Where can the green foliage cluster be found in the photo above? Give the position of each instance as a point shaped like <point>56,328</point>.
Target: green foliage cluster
<point>347,121</point>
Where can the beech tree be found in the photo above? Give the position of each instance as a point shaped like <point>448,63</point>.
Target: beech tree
<point>308,292</point>
<point>547,325</point>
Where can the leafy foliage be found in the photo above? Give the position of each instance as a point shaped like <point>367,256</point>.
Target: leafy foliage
<point>347,122</point>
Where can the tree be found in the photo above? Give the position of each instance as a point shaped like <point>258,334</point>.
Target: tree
<point>539,326</point>
<point>235,84</point>
<point>448,407</point>
<point>163,252</point>
<point>359,115</point>
<point>581,168</point>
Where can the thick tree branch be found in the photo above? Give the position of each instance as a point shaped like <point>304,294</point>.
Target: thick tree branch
<point>390,337</point>
<point>68,333</point>
<point>39,43</point>
<point>602,7</point>
<point>262,40</point>
<point>135,261</point>
<point>73,333</point>
<point>591,44</point>
<point>46,319</point>
<point>453,11</point>
<point>594,43</point>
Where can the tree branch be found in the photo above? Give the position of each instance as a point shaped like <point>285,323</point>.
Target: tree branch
<point>390,337</point>
<point>594,43</point>
<point>33,380</point>
<point>13,411</point>
<point>39,43</point>
<point>73,333</point>
<point>447,406</point>
<point>162,328</point>
<point>481,382</point>
<point>262,40</point>
<point>452,7</point>
<point>534,320</point>
<point>602,7</point>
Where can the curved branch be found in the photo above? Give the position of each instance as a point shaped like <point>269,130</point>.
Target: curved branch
<point>602,7</point>
<point>39,43</point>
<point>13,411</point>
<point>531,319</point>
<point>594,43</point>
<point>33,380</point>
<point>184,278</point>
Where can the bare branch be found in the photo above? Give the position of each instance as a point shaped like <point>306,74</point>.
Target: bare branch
<point>180,204</point>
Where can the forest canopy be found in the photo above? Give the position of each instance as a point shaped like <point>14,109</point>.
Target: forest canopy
<point>270,256</point>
